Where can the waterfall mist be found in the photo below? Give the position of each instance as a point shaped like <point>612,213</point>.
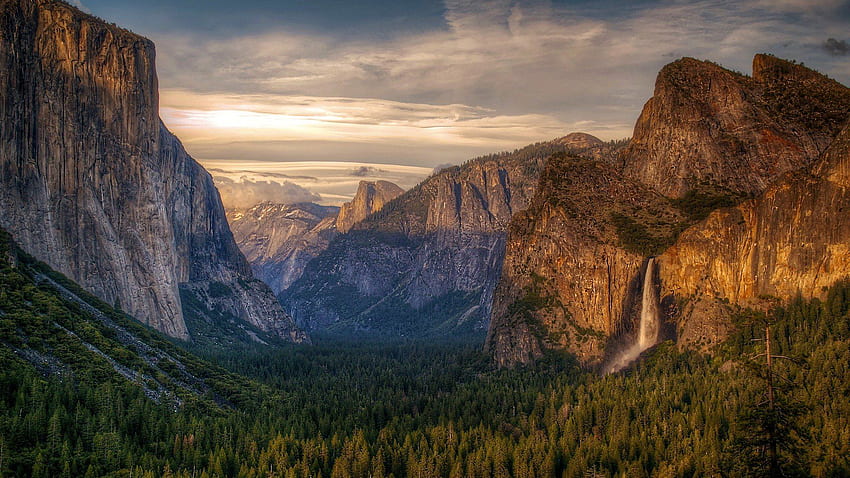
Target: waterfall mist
<point>647,334</point>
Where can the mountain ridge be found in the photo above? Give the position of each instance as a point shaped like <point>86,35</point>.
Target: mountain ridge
<point>436,250</point>
<point>701,116</point>
<point>708,126</point>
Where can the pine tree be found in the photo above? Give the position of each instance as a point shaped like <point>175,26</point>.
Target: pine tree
<point>769,436</point>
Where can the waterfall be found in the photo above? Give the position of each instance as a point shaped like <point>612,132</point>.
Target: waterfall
<point>647,334</point>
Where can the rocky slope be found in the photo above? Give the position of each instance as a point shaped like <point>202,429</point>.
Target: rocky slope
<point>280,239</point>
<point>793,240</point>
<point>50,324</point>
<point>370,197</point>
<point>92,182</point>
<point>708,127</point>
<point>706,140</point>
<point>428,262</point>
<point>575,260</point>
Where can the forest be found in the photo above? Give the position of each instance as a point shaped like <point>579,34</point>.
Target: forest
<point>343,409</point>
<point>87,391</point>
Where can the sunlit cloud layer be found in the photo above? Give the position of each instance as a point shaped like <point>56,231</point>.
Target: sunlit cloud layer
<point>243,183</point>
<point>220,119</point>
<point>489,75</point>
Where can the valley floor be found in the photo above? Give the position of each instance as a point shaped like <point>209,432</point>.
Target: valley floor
<point>415,409</point>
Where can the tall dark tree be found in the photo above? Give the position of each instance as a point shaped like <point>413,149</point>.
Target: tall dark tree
<point>769,439</point>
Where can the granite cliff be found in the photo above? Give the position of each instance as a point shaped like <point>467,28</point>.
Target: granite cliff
<point>429,260</point>
<point>575,260</point>
<point>707,127</point>
<point>93,183</point>
<point>792,241</point>
<point>708,139</point>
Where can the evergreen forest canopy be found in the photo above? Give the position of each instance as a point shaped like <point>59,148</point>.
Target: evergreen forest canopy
<point>407,409</point>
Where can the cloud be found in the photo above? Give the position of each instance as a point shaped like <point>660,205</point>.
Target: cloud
<point>221,126</point>
<point>335,183</point>
<point>836,47</point>
<point>802,5</point>
<point>364,171</point>
<point>246,193</point>
<point>499,74</point>
<point>263,173</point>
<point>441,167</point>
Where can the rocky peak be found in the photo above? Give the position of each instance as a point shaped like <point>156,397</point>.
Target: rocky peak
<point>370,197</point>
<point>708,127</point>
<point>580,140</point>
<point>769,69</point>
<point>802,98</point>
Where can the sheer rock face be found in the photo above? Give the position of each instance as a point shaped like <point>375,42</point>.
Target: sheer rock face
<point>567,283</point>
<point>280,239</point>
<point>435,251</point>
<point>706,125</point>
<point>370,197</point>
<point>793,240</point>
<point>92,182</point>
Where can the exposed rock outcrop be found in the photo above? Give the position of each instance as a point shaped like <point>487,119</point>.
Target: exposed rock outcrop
<point>709,127</point>
<point>93,184</point>
<point>793,240</point>
<point>574,262</point>
<point>370,197</point>
<point>708,138</point>
<point>280,239</point>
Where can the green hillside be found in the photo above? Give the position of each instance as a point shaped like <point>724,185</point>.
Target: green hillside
<point>86,391</point>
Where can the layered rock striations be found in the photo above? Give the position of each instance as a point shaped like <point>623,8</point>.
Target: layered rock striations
<point>574,262</point>
<point>792,241</point>
<point>428,262</point>
<point>280,239</point>
<point>93,183</point>
<point>708,127</point>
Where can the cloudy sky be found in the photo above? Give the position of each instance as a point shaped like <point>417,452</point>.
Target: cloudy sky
<point>300,99</point>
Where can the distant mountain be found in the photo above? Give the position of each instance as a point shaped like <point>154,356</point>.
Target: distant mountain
<point>576,262</point>
<point>94,184</point>
<point>427,263</point>
<point>280,239</point>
